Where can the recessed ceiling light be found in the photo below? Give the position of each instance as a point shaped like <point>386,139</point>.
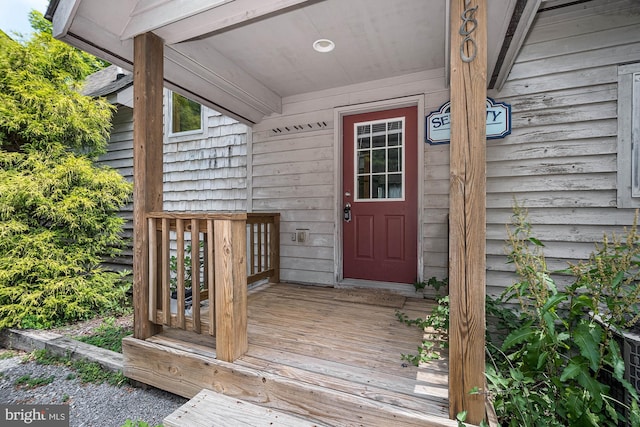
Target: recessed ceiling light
<point>323,45</point>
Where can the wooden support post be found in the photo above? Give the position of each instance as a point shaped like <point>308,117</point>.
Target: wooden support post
<point>230,288</point>
<point>147,168</point>
<point>467,203</point>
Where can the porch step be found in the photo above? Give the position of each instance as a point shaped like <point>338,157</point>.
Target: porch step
<point>208,409</point>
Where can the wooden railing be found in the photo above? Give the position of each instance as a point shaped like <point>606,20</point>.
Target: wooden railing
<point>199,267</point>
<point>263,230</point>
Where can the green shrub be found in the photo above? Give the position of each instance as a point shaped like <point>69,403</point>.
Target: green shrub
<point>57,210</point>
<point>57,222</point>
<point>547,372</point>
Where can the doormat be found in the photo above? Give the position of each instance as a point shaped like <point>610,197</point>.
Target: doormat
<point>371,297</point>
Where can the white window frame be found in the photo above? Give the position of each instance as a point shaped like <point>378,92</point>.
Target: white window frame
<point>629,136</point>
<point>170,132</point>
<point>355,161</point>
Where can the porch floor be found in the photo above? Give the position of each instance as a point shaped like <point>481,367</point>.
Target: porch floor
<point>348,342</point>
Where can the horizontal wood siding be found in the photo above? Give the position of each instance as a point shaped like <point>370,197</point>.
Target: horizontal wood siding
<point>293,172</point>
<point>293,175</point>
<point>119,156</point>
<point>560,160</point>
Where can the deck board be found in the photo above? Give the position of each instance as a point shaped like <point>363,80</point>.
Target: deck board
<point>308,331</point>
<point>309,335</point>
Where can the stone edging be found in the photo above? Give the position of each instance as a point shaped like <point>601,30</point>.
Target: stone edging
<point>59,345</point>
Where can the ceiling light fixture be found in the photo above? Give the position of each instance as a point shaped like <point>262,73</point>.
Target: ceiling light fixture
<point>323,45</point>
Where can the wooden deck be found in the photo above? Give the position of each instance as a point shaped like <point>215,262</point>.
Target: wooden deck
<point>325,354</point>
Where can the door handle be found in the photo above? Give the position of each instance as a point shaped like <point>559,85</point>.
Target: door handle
<point>347,212</point>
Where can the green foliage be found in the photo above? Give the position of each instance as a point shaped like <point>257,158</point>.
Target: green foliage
<point>434,283</point>
<point>461,417</point>
<point>188,268</point>
<point>57,222</point>
<point>436,326</point>
<point>40,106</point>
<point>57,210</point>
<point>27,381</point>
<point>547,371</point>
<point>8,354</point>
<point>108,336</point>
<point>86,371</point>
<point>92,372</point>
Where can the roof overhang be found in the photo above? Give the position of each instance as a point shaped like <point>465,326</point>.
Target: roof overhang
<point>242,57</point>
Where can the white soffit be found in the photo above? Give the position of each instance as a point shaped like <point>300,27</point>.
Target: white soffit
<point>242,56</point>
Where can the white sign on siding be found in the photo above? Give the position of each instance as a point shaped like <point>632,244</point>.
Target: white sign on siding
<point>438,123</point>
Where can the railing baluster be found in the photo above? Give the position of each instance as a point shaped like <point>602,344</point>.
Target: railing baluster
<point>180,270</point>
<point>166,273</point>
<point>275,249</point>
<point>265,246</point>
<point>153,271</point>
<point>195,274</point>
<point>211,280</point>
<point>259,247</point>
<point>252,253</point>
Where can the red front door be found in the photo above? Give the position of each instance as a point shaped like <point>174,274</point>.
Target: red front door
<point>380,197</point>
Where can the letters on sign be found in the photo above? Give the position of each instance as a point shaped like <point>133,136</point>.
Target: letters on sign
<point>438,123</point>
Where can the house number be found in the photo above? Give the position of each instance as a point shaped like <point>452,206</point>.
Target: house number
<point>469,24</point>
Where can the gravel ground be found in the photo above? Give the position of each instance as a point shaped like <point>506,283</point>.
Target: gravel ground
<point>89,404</point>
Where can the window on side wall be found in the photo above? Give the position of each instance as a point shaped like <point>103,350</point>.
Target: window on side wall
<point>186,115</point>
<point>629,136</point>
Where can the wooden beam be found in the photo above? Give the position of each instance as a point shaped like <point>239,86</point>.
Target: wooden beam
<point>467,203</point>
<point>230,241</point>
<point>147,168</point>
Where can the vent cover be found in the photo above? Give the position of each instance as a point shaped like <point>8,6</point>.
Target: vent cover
<point>299,128</point>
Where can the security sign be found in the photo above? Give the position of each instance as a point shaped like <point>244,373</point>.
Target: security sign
<point>438,123</point>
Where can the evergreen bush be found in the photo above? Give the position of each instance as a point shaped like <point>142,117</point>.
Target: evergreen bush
<point>58,211</point>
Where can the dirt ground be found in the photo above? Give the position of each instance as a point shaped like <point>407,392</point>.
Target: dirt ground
<point>88,327</point>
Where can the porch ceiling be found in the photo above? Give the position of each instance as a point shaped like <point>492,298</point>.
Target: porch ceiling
<point>242,57</point>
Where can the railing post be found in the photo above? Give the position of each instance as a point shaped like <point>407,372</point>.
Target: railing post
<point>230,288</point>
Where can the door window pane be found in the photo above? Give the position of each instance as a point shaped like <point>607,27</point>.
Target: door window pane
<point>379,187</point>
<point>379,159</point>
<point>395,159</point>
<point>364,191</point>
<point>395,186</point>
<point>364,162</point>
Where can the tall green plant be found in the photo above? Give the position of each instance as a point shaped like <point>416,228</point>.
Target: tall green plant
<point>57,222</point>
<point>58,211</point>
<point>550,372</point>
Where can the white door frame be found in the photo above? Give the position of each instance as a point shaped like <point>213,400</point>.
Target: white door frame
<point>338,114</point>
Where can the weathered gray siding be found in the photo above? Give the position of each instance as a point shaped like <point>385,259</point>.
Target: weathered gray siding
<point>206,171</point>
<point>560,160</point>
<point>120,157</point>
<point>295,169</point>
